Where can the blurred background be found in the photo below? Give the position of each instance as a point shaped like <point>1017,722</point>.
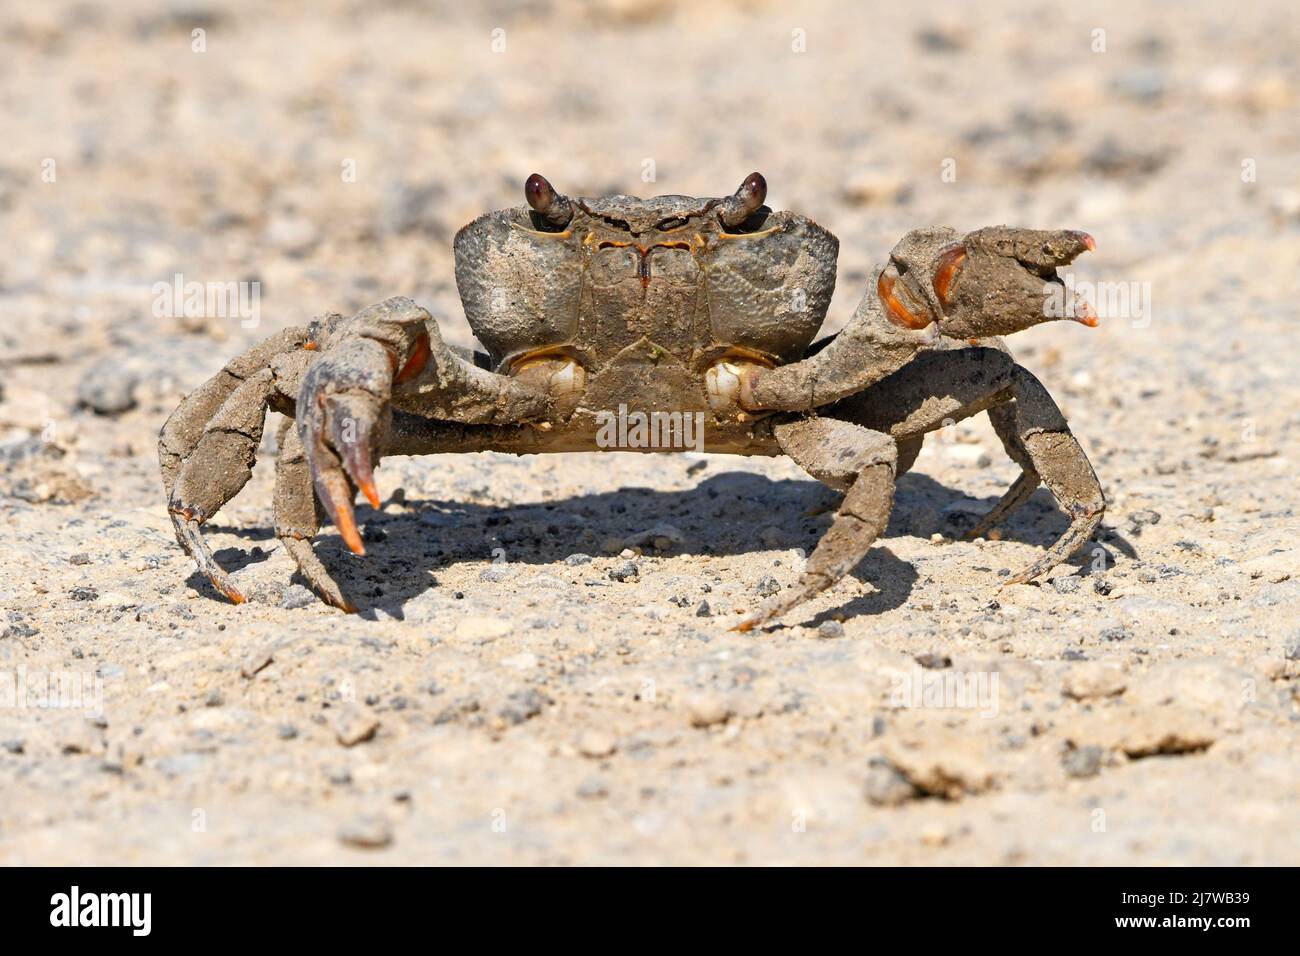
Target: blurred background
<point>331,150</point>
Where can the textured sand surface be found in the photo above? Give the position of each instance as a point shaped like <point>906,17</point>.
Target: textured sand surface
<point>495,702</point>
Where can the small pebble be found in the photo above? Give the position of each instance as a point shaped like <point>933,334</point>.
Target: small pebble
<point>1066,584</point>
<point>933,660</point>
<point>830,629</point>
<point>522,705</point>
<point>354,726</point>
<point>935,835</point>
<point>296,596</point>
<point>595,743</point>
<point>623,572</point>
<point>255,662</point>
<point>107,388</point>
<point>1082,762</point>
<point>366,833</point>
<point>885,784</point>
<point>1091,680</point>
<point>706,709</point>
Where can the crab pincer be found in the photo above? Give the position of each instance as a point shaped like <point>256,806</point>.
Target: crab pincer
<point>343,410</point>
<point>336,437</point>
<point>994,281</point>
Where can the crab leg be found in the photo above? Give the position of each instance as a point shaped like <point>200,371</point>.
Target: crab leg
<point>868,349</point>
<point>220,461</point>
<point>1003,419</point>
<point>945,386</point>
<point>184,428</point>
<point>297,517</point>
<point>845,456</point>
<point>225,453</point>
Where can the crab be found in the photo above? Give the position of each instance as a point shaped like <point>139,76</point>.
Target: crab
<point>699,308</point>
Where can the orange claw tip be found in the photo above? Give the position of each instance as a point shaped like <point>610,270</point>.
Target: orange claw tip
<point>371,492</point>
<point>348,532</point>
<point>347,526</point>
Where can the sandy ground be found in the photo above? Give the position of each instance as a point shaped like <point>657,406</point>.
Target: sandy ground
<point>1139,707</point>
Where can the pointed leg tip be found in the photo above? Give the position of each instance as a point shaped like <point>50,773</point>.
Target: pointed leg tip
<point>220,580</point>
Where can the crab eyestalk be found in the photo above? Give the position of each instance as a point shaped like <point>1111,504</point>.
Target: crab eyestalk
<point>746,201</point>
<point>998,281</point>
<point>546,202</point>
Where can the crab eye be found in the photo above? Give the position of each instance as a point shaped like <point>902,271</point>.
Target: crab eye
<point>746,201</point>
<point>554,209</point>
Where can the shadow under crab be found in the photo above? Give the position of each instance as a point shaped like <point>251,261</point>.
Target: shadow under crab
<point>703,309</point>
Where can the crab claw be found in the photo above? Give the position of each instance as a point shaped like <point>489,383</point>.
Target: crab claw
<point>339,432</point>
<point>350,420</point>
<point>1001,280</point>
